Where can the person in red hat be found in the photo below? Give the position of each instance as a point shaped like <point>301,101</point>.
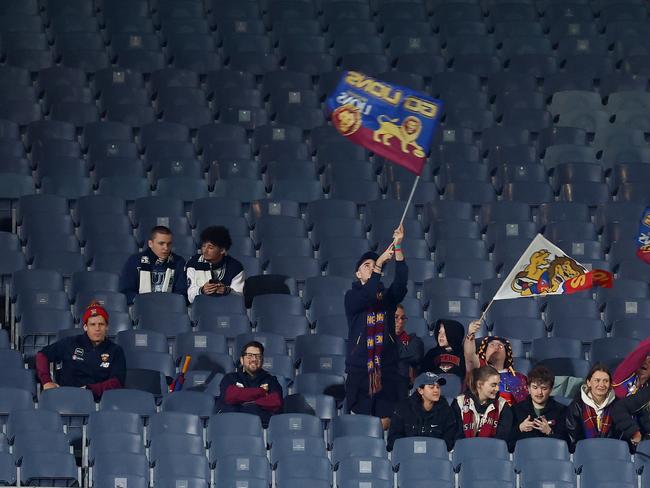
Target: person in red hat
<point>90,360</point>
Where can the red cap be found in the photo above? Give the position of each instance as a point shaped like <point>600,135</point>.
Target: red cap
<point>93,310</point>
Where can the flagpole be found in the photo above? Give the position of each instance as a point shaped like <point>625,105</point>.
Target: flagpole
<point>408,202</point>
<point>485,312</point>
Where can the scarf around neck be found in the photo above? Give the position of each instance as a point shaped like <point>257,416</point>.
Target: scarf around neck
<point>374,342</point>
<point>477,425</point>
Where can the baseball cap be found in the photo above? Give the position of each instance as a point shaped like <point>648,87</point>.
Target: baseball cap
<point>364,257</point>
<point>428,378</point>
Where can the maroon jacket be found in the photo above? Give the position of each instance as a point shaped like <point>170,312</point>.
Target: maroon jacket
<point>239,388</point>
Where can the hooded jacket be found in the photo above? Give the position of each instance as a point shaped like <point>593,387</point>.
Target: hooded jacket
<point>632,414</point>
<point>410,419</point>
<point>451,359</point>
<point>199,272</point>
<point>574,422</point>
<point>358,300</point>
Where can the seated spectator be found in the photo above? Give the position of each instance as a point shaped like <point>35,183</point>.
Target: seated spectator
<point>590,414</point>
<point>88,360</point>
<point>633,372</point>
<point>251,389</point>
<point>497,352</point>
<point>448,356</point>
<point>410,349</point>
<point>482,412</point>
<point>157,269</point>
<point>213,272</point>
<point>539,415</point>
<point>425,413</point>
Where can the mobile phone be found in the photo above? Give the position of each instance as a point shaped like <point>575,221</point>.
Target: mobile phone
<point>214,282</point>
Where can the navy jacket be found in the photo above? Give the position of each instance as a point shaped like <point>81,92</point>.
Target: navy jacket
<point>99,368</point>
<point>358,300</point>
<point>130,277</point>
<point>554,412</point>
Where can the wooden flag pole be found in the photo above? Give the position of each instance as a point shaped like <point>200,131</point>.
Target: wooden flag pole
<point>408,202</point>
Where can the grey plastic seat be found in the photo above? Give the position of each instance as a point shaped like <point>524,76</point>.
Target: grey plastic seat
<point>481,448</point>
<point>140,402</point>
<point>49,469</point>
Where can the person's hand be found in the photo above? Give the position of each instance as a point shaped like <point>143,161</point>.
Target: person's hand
<point>636,438</point>
<point>387,255</point>
<point>49,385</point>
<point>210,288</point>
<point>527,425</point>
<point>265,387</point>
<point>542,425</point>
<point>221,288</point>
<point>398,234</point>
<point>474,327</point>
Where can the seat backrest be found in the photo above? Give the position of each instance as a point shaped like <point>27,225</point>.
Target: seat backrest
<point>68,401</point>
<point>357,445</point>
<point>365,425</point>
<point>539,448</point>
<point>126,400</point>
<point>234,423</point>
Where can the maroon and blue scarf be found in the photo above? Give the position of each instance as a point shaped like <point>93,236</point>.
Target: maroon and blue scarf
<point>590,422</point>
<point>374,344</point>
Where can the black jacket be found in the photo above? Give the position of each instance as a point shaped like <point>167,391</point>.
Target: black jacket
<point>504,428</point>
<point>554,412</point>
<point>451,359</point>
<point>411,420</point>
<point>574,423</point>
<point>410,355</point>
<point>358,300</point>
<point>632,414</point>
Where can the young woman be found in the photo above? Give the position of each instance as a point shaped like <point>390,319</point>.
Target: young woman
<point>425,413</point>
<point>481,410</point>
<point>589,415</point>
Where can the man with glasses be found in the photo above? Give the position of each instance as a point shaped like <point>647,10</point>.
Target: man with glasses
<point>214,272</point>
<point>251,389</point>
<point>411,350</point>
<point>497,352</point>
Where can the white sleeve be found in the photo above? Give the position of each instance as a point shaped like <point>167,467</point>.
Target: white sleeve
<point>237,284</point>
<point>193,288</point>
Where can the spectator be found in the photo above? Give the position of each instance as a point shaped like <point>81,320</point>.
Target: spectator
<point>481,410</point>
<point>590,414</point>
<point>213,272</point>
<point>88,360</point>
<point>448,356</point>
<point>251,389</point>
<point>633,372</point>
<point>631,416</point>
<point>497,352</point>
<point>425,413</point>
<point>410,347</point>
<point>157,269</point>
<point>539,415</point>
<point>373,385</point>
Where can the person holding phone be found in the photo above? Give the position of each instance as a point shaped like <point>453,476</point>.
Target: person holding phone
<point>214,272</point>
<point>539,415</point>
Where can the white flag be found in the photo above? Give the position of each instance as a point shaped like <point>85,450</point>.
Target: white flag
<point>544,269</point>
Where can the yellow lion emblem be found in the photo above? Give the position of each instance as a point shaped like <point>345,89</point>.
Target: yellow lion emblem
<point>407,133</point>
<point>544,275</point>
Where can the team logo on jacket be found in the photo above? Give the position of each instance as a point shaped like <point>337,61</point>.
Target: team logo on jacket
<point>144,259</point>
<point>78,354</point>
<point>105,357</point>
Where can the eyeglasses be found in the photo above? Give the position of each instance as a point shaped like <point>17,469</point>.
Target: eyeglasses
<point>250,355</point>
<point>496,345</point>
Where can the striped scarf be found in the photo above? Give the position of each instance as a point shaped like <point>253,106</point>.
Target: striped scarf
<point>594,425</point>
<point>374,344</point>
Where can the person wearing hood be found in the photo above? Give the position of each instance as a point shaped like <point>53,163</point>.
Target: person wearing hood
<point>539,415</point>
<point>448,356</point>
<point>425,413</point>
<point>497,352</point>
<point>633,372</point>
<point>373,385</point>
<point>589,415</point>
<point>481,410</point>
<point>411,349</point>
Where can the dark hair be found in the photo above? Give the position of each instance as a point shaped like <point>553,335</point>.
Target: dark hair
<point>541,374</point>
<point>217,235</point>
<point>256,344</point>
<point>481,374</point>
<point>599,367</point>
<point>159,229</point>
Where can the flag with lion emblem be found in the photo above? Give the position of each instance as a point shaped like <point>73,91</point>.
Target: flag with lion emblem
<point>544,269</point>
<point>392,121</point>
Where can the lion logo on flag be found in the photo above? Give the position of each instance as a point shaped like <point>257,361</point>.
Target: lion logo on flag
<point>407,133</point>
<point>545,273</point>
<point>347,119</point>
